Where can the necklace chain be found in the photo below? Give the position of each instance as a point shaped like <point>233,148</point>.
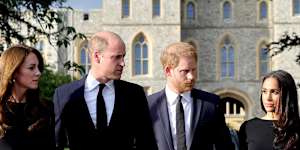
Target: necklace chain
<point>14,100</point>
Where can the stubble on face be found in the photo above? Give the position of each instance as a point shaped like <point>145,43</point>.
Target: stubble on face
<point>182,77</point>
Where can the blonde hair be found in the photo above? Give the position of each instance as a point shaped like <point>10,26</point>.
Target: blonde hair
<point>100,40</point>
<point>170,56</point>
<point>97,43</point>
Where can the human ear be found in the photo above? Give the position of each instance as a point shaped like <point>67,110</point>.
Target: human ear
<point>98,57</point>
<point>167,70</point>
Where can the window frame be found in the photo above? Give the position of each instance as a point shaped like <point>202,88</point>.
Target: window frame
<point>87,63</point>
<point>262,61</point>
<point>125,8</point>
<point>296,7</point>
<point>229,49</point>
<point>142,60</point>
<point>261,17</point>
<point>156,8</point>
<point>193,11</point>
<point>230,9</point>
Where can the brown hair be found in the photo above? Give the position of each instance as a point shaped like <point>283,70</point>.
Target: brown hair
<point>170,56</point>
<point>10,60</point>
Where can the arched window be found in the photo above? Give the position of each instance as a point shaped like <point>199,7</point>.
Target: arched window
<point>263,13</point>
<point>156,8</point>
<point>140,56</point>
<point>263,60</point>
<point>296,7</point>
<point>190,11</point>
<point>125,8</point>
<point>84,58</point>
<point>227,10</point>
<point>227,59</point>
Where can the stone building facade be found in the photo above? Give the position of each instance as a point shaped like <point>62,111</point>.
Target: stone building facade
<point>229,35</point>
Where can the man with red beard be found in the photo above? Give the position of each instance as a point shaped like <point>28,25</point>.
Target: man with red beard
<point>185,118</point>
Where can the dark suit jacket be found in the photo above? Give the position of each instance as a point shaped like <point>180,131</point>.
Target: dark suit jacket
<point>208,128</point>
<point>129,128</point>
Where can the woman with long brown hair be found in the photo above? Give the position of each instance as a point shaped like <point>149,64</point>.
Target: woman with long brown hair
<point>26,122</point>
<point>279,128</point>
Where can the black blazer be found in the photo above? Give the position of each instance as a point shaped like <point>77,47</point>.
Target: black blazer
<point>129,128</point>
<point>208,128</point>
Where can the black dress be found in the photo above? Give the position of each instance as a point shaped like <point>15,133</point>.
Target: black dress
<point>256,134</point>
<point>30,126</point>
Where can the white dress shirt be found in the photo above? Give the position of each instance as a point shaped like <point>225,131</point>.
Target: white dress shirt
<point>187,108</point>
<point>91,88</point>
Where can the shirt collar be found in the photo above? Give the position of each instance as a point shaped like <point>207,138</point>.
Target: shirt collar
<point>172,96</point>
<point>91,83</point>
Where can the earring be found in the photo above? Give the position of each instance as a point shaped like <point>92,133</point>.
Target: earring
<point>13,80</point>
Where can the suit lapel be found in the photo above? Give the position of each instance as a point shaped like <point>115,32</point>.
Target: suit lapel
<point>117,105</point>
<point>196,109</point>
<point>81,103</point>
<point>164,118</point>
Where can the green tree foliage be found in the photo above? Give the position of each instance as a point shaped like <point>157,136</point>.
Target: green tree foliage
<point>72,66</point>
<point>51,80</point>
<point>36,17</point>
<point>23,21</point>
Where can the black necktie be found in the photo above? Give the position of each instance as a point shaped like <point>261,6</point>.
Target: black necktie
<point>101,110</point>
<point>180,126</point>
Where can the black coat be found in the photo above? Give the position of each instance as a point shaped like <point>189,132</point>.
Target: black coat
<point>129,127</point>
<point>208,128</point>
<point>30,126</point>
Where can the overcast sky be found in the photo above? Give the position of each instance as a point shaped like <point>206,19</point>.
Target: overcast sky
<point>84,4</point>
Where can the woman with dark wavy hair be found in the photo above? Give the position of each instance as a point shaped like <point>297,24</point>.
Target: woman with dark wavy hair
<point>279,128</point>
<point>26,122</point>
